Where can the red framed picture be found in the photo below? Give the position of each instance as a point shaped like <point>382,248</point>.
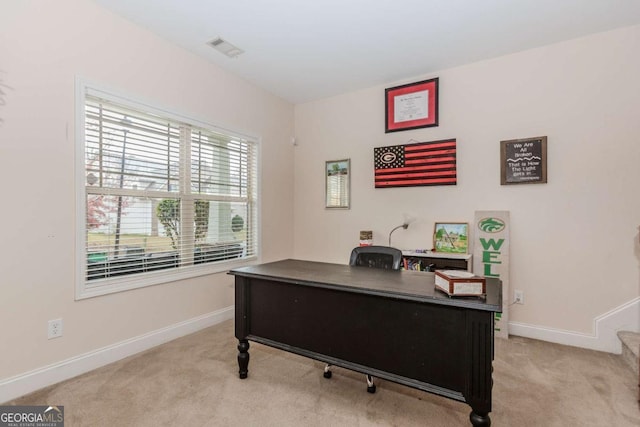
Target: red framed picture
<point>411,106</point>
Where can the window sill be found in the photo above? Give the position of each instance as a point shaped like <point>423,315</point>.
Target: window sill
<point>99,287</point>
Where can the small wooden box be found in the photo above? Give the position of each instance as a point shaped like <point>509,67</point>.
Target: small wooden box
<point>460,283</point>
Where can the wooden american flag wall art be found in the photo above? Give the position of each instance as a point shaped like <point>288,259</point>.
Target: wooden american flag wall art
<point>422,163</point>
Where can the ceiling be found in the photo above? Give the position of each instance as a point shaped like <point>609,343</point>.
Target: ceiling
<point>305,50</point>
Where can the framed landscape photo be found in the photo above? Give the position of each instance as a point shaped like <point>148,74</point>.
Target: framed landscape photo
<point>451,237</point>
<point>411,106</point>
<point>337,175</point>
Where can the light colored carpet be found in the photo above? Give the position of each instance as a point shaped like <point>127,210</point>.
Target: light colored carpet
<point>193,381</point>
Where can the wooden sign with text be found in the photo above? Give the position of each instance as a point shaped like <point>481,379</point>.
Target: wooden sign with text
<point>491,258</point>
<point>523,161</point>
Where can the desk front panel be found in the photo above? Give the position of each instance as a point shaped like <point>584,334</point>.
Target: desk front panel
<point>424,342</point>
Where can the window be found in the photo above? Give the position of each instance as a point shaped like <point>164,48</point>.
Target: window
<point>164,197</point>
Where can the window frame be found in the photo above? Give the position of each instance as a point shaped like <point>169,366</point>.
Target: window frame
<point>88,289</point>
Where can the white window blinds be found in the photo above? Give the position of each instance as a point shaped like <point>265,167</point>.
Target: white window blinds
<point>162,195</point>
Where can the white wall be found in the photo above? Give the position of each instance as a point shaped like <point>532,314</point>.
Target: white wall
<point>44,45</point>
<point>584,95</point>
<point>574,240</point>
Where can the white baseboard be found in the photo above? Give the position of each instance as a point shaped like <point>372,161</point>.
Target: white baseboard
<point>604,338</point>
<point>605,327</point>
<point>28,382</point>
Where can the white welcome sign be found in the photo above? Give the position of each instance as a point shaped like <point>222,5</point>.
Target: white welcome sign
<point>491,257</point>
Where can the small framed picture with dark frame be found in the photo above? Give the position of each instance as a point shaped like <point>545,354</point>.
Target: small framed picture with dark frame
<point>337,174</point>
<point>523,161</point>
<point>451,237</point>
<point>411,106</point>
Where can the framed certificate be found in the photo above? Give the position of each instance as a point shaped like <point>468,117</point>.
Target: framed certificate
<point>411,106</point>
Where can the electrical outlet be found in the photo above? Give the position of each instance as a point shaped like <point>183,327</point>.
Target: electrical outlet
<point>518,297</point>
<point>55,328</point>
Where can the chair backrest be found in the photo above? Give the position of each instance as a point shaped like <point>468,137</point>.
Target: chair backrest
<point>376,257</point>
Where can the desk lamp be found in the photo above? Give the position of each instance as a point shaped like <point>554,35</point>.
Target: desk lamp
<point>405,226</point>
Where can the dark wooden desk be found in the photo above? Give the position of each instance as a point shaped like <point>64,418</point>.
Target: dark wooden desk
<point>390,324</point>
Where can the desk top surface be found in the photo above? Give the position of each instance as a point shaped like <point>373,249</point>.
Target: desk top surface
<point>409,285</point>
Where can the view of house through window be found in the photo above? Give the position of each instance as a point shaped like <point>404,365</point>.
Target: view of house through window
<point>163,194</point>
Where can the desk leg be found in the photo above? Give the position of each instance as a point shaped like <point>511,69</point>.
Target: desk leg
<point>479,382</point>
<point>480,419</point>
<point>243,358</point>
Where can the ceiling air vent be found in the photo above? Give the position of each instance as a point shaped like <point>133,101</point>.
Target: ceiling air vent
<point>225,47</point>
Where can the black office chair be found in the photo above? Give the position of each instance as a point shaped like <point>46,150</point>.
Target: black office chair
<point>384,257</point>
